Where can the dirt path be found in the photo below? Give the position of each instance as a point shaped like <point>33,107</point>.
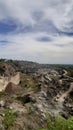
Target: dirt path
<point>61,99</point>
<point>65,73</point>
<point>64,95</point>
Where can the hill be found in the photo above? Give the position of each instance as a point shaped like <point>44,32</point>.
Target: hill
<point>29,90</point>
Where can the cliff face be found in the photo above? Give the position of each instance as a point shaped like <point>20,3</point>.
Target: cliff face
<point>31,90</point>
<point>5,80</point>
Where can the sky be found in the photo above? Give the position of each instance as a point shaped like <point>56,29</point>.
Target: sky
<point>37,30</point>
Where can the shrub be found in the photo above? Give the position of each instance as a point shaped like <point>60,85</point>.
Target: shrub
<point>9,119</point>
<point>59,123</point>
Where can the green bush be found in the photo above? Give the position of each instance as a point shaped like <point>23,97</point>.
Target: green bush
<point>9,119</point>
<point>59,123</point>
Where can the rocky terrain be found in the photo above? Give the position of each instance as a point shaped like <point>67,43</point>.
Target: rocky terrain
<point>28,91</point>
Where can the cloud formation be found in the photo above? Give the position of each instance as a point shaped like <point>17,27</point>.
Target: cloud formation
<point>37,30</point>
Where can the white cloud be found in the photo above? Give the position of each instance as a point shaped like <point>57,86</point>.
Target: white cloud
<point>27,48</point>
<point>60,11</point>
<point>43,18</point>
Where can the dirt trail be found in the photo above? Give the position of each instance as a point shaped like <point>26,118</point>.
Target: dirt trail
<point>65,73</point>
<point>64,95</point>
<point>62,98</point>
<point>5,80</point>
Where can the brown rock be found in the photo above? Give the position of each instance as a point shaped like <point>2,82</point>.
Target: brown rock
<point>12,88</point>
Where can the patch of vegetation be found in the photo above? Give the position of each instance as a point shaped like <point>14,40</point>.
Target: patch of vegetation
<point>2,60</point>
<point>27,81</point>
<point>58,123</point>
<point>70,70</point>
<point>9,119</point>
<point>3,94</point>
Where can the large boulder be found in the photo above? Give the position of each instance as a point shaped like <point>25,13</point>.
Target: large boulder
<point>12,88</point>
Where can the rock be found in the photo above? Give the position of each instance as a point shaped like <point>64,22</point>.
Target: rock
<point>11,88</point>
<point>2,127</point>
<point>26,99</point>
<point>64,115</point>
<point>2,103</point>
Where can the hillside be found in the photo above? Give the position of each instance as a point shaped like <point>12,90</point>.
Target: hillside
<point>29,90</point>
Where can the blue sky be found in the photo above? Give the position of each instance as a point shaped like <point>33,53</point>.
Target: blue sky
<point>37,30</point>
